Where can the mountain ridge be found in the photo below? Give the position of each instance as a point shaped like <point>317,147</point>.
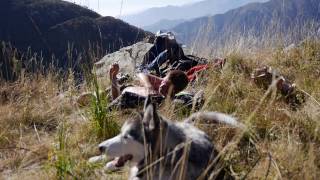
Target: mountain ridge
<point>255,19</point>
<point>164,24</point>
<point>187,11</point>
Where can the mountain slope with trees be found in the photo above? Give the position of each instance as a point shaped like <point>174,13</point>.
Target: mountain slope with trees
<point>63,30</point>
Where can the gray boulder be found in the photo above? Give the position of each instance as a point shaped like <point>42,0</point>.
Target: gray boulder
<point>129,58</point>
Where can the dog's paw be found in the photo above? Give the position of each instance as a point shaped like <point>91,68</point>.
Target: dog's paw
<point>133,173</point>
<point>134,178</point>
<point>97,159</point>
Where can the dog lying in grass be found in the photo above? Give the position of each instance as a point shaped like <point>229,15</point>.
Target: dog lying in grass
<point>158,148</point>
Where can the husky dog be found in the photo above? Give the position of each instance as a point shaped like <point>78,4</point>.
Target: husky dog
<point>158,148</point>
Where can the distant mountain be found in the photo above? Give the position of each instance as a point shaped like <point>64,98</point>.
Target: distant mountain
<point>51,27</point>
<point>188,11</point>
<point>164,24</point>
<point>256,19</point>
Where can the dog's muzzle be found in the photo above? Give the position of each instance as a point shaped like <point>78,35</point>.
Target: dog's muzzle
<point>126,149</point>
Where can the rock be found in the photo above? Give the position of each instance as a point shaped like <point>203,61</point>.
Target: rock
<point>129,58</point>
<point>85,99</point>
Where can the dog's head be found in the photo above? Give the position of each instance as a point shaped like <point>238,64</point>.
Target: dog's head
<point>136,133</point>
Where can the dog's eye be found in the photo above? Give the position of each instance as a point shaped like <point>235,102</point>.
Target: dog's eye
<point>125,137</point>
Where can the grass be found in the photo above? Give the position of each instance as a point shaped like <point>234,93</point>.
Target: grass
<point>103,120</point>
<point>62,163</point>
<point>44,135</point>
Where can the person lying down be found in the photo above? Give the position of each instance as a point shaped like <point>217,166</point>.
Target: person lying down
<point>133,96</point>
<point>159,88</point>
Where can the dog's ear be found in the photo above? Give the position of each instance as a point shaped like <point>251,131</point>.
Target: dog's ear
<point>147,102</point>
<point>151,119</point>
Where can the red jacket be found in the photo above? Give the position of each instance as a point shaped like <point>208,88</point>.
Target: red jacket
<point>191,73</point>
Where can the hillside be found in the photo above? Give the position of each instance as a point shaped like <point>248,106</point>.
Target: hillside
<point>51,27</point>
<point>276,17</point>
<point>187,12</point>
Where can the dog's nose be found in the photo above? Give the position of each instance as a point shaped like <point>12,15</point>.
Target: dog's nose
<point>102,149</point>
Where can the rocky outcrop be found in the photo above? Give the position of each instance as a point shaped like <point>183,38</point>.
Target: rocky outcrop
<point>129,58</point>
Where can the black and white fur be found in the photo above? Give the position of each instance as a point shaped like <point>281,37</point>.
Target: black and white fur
<point>162,149</point>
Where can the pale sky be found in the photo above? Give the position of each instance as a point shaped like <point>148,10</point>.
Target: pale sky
<point>113,7</point>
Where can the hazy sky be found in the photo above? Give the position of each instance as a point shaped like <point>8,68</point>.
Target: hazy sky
<point>113,7</point>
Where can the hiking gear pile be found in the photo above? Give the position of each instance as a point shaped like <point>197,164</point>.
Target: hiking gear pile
<point>265,76</point>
